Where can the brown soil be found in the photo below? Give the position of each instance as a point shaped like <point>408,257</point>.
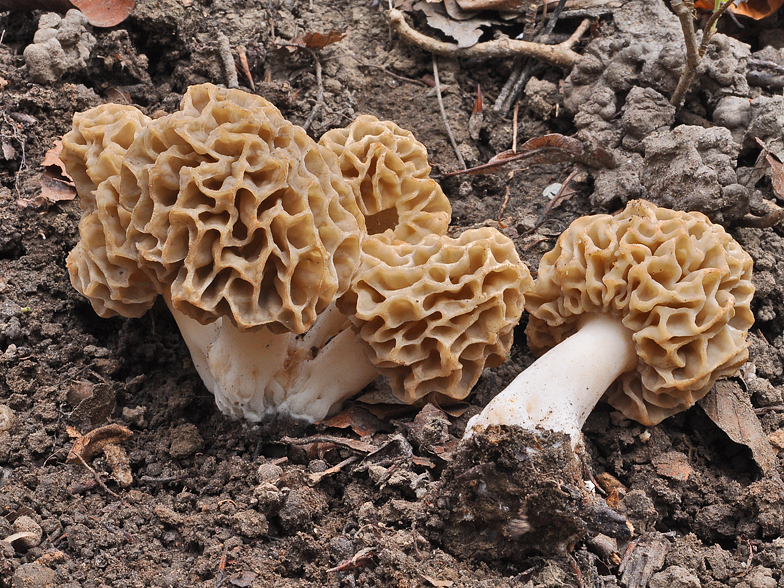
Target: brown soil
<point>217,502</point>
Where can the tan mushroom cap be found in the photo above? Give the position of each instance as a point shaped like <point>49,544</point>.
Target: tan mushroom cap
<point>436,313</point>
<point>679,283</point>
<point>93,153</point>
<point>237,212</point>
<point>388,171</point>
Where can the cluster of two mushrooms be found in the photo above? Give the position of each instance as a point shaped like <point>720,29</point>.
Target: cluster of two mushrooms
<point>296,271</point>
<point>266,245</point>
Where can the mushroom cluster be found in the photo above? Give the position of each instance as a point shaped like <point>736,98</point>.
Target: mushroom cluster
<point>255,235</point>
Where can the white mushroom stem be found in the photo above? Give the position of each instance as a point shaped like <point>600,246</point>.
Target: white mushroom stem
<point>254,374</point>
<point>560,389</point>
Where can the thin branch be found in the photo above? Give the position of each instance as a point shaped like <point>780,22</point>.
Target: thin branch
<point>443,114</point>
<point>224,49</point>
<point>560,55</point>
<point>694,52</point>
<point>320,93</point>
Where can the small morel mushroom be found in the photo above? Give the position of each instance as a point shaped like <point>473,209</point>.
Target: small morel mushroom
<point>647,309</point>
<point>388,171</point>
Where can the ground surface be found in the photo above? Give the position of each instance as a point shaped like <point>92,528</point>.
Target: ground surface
<point>216,502</point>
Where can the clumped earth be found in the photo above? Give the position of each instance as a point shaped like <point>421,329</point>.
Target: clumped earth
<point>197,499</point>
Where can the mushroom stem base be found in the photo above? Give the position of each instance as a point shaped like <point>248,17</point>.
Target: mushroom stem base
<point>559,390</point>
<point>258,374</point>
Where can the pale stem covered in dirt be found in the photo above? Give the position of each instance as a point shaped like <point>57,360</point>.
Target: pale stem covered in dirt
<point>559,390</point>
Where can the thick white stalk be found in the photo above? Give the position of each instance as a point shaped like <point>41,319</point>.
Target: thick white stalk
<point>560,389</point>
<point>254,374</point>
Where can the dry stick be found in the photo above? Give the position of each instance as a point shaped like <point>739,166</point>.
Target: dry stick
<point>320,93</point>
<point>560,55</point>
<point>527,69</point>
<point>694,52</point>
<point>443,114</point>
<point>224,49</point>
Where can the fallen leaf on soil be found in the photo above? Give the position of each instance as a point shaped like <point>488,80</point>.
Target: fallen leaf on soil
<point>756,9</point>
<point>643,557</point>
<point>673,464</point>
<point>99,13</point>
<point>362,557</point>
<point>318,41</point>
<point>547,149</point>
<point>90,445</point>
<point>54,189</point>
<point>730,409</point>
<point>776,175</point>
<point>117,460</point>
<point>465,32</point>
<point>105,13</point>
<point>359,419</point>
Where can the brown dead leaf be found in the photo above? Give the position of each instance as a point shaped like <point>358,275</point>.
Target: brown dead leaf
<point>90,445</point>
<point>673,464</point>
<point>644,556</point>
<point>54,189</point>
<point>731,410</point>
<point>105,13</point>
<point>9,152</point>
<point>318,41</point>
<point>358,419</point>
<point>756,9</point>
<point>547,149</point>
<point>465,32</point>
<point>776,175</point>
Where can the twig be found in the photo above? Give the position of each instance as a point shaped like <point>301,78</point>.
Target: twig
<point>386,71</point>
<point>514,127</point>
<point>443,113</point>
<point>96,476</point>
<point>560,55</point>
<point>243,54</point>
<point>224,49</point>
<point>762,222</point>
<point>320,92</point>
<point>694,52</point>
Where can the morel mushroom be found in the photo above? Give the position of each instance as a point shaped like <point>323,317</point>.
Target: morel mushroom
<point>242,222</point>
<point>646,309</point>
<point>434,314</point>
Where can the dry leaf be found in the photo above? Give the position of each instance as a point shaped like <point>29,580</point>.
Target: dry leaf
<point>730,409</point>
<point>673,464</point>
<point>105,13</point>
<point>756,9</point>
<point>776,175</point>
<point>360,420</point>
<point>54,189</point>
<point>465,32</point>
<point>643,557</point>
<point>547,149</point>
<point>89,445</point>
<point>318,41</point>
